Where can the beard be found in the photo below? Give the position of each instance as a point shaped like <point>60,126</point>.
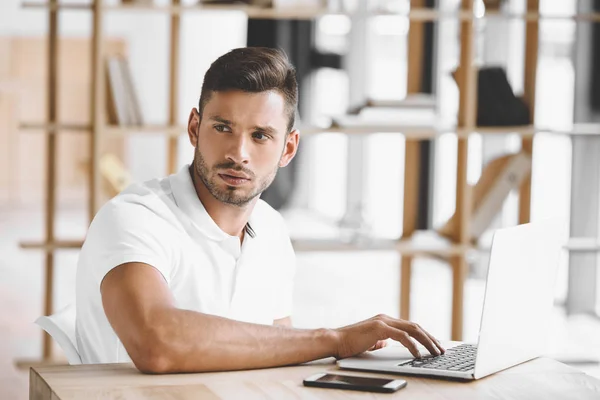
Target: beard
<point>236,196</point>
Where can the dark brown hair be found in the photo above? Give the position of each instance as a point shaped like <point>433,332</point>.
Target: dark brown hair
<point>253,70</point>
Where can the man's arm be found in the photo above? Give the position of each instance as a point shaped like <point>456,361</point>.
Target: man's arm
<point>287,322</point>
<point>161,338</point>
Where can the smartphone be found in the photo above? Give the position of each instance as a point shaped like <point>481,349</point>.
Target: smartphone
<point>362,383</point>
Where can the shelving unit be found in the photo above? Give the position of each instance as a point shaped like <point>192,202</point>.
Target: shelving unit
<point>407,246</point>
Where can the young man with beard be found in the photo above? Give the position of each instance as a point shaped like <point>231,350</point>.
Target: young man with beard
<point>194,272</point>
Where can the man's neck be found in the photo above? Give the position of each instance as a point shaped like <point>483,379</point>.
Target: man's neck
<point>231,219</point>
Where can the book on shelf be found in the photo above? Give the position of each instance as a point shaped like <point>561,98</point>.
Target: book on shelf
<point>123,106</point>
<point>133,102</point>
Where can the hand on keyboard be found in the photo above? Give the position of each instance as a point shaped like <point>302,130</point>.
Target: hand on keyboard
<point>370,334</point>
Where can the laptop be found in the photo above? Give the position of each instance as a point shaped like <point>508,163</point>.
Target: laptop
<point>518,301</point>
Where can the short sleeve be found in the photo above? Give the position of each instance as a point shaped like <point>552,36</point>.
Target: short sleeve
<point>285,288</point>
<point>128,229</point>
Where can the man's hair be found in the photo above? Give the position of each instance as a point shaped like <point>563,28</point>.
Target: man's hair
<point>253,70</point>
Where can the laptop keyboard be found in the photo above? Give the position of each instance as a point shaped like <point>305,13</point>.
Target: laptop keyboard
<point>460,358</point>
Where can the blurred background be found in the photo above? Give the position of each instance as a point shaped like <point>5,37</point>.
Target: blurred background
<point>393,135</point>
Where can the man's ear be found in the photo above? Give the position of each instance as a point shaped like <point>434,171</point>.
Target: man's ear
<point>193,123</point>
<point>291,147</point>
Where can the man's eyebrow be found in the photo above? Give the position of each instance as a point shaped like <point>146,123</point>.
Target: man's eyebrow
<point>266,129</point>
<point>221,120</point>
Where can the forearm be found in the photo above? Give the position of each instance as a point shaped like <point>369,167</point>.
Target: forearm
<point>188,341</point>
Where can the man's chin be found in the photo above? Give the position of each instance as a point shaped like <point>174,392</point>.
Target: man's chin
<point>236,199</point>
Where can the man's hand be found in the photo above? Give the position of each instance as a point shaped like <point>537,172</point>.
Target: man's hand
<point>369,334</point>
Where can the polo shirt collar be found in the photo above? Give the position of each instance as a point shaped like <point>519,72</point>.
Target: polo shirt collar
<point>187,200</point>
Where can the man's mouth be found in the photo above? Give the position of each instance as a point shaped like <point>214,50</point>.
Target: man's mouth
<point>234,180</point>
<point>235,174</point>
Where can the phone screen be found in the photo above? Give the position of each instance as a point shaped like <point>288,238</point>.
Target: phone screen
<point>354,380</point>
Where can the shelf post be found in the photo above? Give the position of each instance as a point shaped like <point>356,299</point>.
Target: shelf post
<point>409,219</point>
<point>51,119</point>
<point>97,106</point>
<point>466,119</point>
<point>410,209</point>
<point>174,87</point>
<point>531,58</point>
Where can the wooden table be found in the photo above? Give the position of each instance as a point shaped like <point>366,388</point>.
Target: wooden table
<point>538,379</point>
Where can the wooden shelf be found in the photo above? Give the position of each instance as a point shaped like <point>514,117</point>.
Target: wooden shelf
<point>62,6</point>
<point>413,246</point>
<point>578,129</point>
<point>426,131</point>
<point>111,130</point>
<point>335,245</point>
<point>431,131</point>
<point>409,131</point>
<point>415,14</point>
<point>42,126</point>
<point>405,246</point>
<point>428,243</point>
<point>522,130</point>
<point>434,15</point>
<point>115,130</point>
<point>422,243</point>
<point>51,246</point>
<point>533,16</point>
<point>583,245</point>
<point>410,101</point>
<point>581,129</point>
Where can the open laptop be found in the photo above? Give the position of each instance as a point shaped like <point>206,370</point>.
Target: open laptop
<point>516,310</point>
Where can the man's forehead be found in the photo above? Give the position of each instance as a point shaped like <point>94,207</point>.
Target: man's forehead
<point>243,107</point>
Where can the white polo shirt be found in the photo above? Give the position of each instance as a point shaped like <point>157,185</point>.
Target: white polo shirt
<point>163,223</point>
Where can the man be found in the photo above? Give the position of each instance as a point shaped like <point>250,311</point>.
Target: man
<point>193,272</point>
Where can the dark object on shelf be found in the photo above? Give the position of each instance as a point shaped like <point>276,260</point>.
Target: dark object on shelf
<point>497,105</point>
<point>492,5</point>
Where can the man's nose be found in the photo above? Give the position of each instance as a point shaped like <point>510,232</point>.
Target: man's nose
<point>238,150</point>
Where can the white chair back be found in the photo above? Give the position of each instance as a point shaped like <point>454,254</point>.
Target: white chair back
<point>61,326</point>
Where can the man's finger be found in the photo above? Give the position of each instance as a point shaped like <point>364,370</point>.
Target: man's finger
<point>418,333</point>
<point>437,343</point>
<point>424,338</point>
<point>404,338</point>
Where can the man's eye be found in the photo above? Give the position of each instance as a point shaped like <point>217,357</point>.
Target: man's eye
<point>222,128</point>
<point>260,136</point>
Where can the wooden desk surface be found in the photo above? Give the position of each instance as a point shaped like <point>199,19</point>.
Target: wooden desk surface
<point>538,379</point>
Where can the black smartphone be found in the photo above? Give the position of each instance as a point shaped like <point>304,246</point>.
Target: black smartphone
<point>362,383</point>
